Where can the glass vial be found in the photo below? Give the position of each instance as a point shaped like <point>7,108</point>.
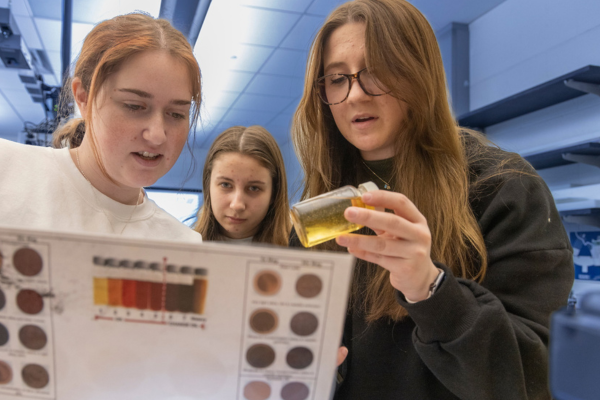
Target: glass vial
<point>321,218</point>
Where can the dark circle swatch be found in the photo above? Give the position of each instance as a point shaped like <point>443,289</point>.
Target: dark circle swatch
<point>35,376</point>
<point>27,261</point>
<point>267,282</point>
<point>260,355</point>
<point>304,323</point>
<point>5,373</point>
<point>33,337</point>
<point>3,335</point>
<point>257,390</point>
<point>299,357</point>
<point>309,285</point>
<point>263,321</point>
<point>2,299</point>
<point>30,301</point>
<point>295,391</point>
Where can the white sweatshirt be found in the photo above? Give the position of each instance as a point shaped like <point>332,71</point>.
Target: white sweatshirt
<point>42,188</point>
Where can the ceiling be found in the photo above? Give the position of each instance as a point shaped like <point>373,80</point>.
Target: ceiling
<point>252,54</point>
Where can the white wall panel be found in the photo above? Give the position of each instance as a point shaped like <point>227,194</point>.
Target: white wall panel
<point>572,122</point>
<point>180,175</point>
<point>520,44</point>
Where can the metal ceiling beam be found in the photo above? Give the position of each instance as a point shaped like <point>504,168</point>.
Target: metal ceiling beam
<point>65,48</point>
<point>186,16</point>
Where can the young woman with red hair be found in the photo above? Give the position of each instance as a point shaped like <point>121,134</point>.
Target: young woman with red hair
<point>137,85</point>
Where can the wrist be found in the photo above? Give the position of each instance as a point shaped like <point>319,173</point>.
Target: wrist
<point>435,282</point>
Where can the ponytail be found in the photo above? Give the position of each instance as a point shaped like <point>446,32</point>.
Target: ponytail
<point>70,134</point>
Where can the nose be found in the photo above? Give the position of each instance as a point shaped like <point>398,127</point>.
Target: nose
<point>237,201</point>
<point>356,91</point>
<point>155,131</point>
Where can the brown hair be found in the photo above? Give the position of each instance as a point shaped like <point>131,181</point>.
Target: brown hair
<point>105,48</point>
<point>256,142</point>
<point>431,166</point>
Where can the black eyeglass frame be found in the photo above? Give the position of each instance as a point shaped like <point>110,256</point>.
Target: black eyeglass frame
<point>350,78</point>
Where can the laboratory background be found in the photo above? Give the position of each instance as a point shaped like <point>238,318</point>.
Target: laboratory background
<point>524,72</point>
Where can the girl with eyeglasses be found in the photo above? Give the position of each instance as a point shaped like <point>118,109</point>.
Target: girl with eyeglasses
<point>454,285</point>
<point>245,189</point>
<point>137,85</point>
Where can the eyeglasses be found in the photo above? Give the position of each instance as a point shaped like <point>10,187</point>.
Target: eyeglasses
<point>335,88</point>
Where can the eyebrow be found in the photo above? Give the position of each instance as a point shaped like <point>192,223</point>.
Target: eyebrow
<point>147,95</point>
<point>333,65</point>
<point>249,182</point>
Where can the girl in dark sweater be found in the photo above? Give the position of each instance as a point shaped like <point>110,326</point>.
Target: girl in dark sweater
<point>455,284</point>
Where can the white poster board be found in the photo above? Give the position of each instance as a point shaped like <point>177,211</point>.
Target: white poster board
<point>101,317</point>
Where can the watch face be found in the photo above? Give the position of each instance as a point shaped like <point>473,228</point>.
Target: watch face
<point>436,283</point>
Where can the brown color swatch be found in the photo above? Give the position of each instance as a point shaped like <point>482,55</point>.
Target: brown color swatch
<point>4,336</point>
<point>260,355</point>
<point>185,297</point>
<point>33,337</point>
<point>200,289</point>
<point>6,374</point>
<point>35,376</point>
<point>2,299</point>
<point>267,282</point>
<point>1,260</point>
<point>309,285</point>
<point>263,321</point>
<point>172,297</point>
<point>156,296</point>
<point>257,390</point>
<point>299,357</point>
<point>295,391</point>
<point>142,295</point>
<point>30,301</point>
<point>27,261</point>
<point>304,323</point>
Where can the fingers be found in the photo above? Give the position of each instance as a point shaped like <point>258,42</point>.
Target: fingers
<point>397,202</point>
<point>341,355</point>
<point>389,223</point>
<point>385,245</point>
<point>387,262</point>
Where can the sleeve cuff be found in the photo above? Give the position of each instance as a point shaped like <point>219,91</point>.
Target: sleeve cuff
<point>446,315</point>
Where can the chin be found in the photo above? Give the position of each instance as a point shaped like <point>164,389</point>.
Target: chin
<point>143,182</point>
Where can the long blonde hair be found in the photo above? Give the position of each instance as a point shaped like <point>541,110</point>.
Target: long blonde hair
<point>256,142</point>
<point>106,47</point>
<point>431,166</point>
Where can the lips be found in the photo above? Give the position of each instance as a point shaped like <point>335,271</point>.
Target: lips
<point>359,118</point>
<point>147,155</point>
<point>234,220</point>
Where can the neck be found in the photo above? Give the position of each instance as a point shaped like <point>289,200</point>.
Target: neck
<point>89,168</point>
<point>378,155</point>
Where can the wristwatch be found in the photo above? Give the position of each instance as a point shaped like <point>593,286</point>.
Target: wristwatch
<point>433,287</point>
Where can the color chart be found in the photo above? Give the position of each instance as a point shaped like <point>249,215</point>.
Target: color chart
<point>282,334</point>
<point>26,353</point>
<point>96,317</point>
<point>149,292</point>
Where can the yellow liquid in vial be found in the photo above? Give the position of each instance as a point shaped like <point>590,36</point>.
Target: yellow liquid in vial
<point>320,221</point>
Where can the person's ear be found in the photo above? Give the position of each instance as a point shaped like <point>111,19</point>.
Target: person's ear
<point>80,95</point>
